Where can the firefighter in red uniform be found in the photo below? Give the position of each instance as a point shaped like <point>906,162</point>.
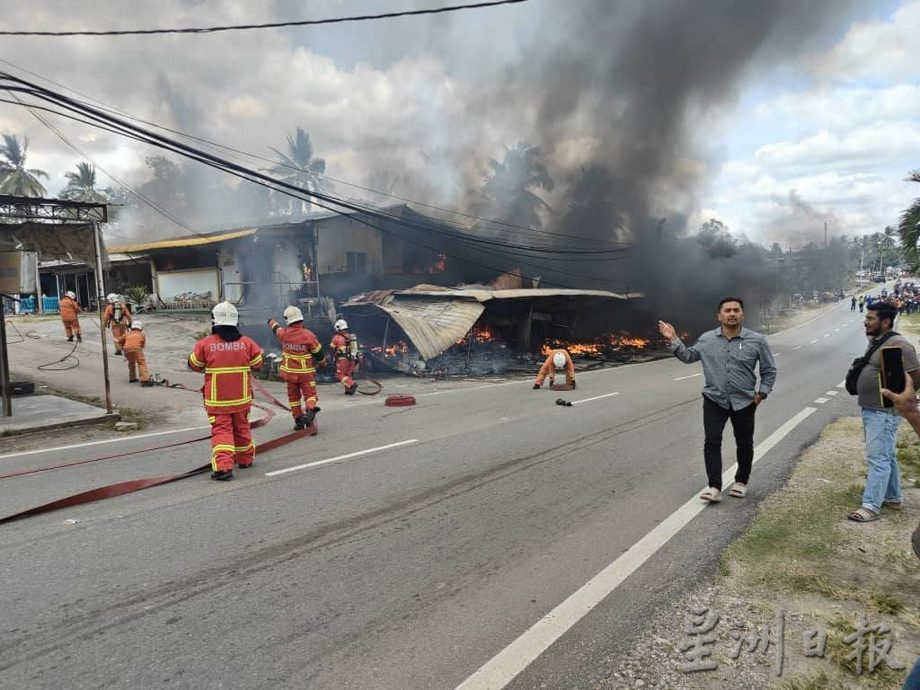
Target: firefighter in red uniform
<point>301,350</point>
<point>345,350</point>
<point>69,308</point>
<point>227,357</point>
<point>556,360</point>
<point>117,315</point>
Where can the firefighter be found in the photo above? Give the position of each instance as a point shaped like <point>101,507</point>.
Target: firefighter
<point>345,350</point>
<point>69,308</point>
<point>557,359</point>
<point>227,358</point>
<point>132,344</point>
<point>117,316</point>
<point>301,350</point>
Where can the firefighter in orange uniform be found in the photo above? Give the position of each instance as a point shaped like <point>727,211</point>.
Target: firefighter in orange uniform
<point>132,344</point>
<point>227,358</point>
<point>69,309</point>
<point>117,315</point>
<point>557,359</point>
<point>345,350</point>
<point>301,349</point>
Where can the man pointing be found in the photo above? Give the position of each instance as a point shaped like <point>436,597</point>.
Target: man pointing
<point>729,354</point>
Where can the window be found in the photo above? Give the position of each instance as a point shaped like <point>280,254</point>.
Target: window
<point>356,261</point>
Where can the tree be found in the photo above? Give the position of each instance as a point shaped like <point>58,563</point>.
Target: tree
<point>507,195</point>
<point>909,229</point>
<point>300,168</point>
<point>15,178</point>
<point>592,210</point>
<point>81,185</point>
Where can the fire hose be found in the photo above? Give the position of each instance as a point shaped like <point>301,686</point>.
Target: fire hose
<point>122,488</point>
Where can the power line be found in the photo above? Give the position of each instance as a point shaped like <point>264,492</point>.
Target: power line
<point>331,203</point>
<point>493,224</point>
<point>271,25</point>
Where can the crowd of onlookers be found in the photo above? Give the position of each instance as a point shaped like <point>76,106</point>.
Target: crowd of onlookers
<point>905,296</point>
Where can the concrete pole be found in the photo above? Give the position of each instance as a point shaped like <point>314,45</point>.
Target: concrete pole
<point>100,301</point>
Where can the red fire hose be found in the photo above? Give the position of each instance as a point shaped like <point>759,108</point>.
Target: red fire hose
<point>122,488</point>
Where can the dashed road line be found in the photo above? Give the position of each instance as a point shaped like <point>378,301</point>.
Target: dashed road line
<point>831,392</point>
<point>820,401</point>
<point>681,378</point>
<point>596,397</point>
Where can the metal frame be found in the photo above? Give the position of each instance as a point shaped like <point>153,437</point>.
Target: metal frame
<point>52,210</point>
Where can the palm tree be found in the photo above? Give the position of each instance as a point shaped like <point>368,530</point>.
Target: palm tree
<point>15,178</point>
<point>298,167</point>
<point>507,194</point>
<point>81,185</point>
<point>909,229</point>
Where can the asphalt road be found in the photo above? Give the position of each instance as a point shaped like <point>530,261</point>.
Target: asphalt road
<point>407,566</point>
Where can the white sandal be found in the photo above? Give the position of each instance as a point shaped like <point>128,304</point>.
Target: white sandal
<point>711,495</point>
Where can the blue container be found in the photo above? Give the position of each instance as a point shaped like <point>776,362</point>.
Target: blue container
<point>27,305</point>
<point>51,304</point>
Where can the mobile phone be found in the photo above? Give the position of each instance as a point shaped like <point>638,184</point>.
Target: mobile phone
<point>893,376</point>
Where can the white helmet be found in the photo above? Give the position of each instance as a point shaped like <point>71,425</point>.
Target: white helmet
<point>71,294</point>
<point>340,325</point>
<point>292,315</point>
<point>137,326</point>
<point>112,298</point>
<point>559,359</point>
<point>225,314</point>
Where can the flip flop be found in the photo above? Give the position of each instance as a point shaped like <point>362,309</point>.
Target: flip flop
<point>863,515</point>
<point>738,490</point>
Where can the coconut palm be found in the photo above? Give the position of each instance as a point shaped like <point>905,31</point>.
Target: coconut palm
<point>81,185</point>
<point>300,168</point>
<point>15,178</point>
<point>909,229</point>
<point>507,194</point>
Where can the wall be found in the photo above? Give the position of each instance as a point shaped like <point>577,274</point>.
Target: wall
<point>343,234</point>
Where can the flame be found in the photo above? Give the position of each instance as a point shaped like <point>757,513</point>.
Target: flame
<point>440,265</point>
<point>391,350</point>
<point>622,340</point>
<point>479,334</point>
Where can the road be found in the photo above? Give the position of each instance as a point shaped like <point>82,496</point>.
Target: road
<point>400,547</point>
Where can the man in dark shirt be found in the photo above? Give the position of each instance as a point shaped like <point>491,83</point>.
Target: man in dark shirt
<point>880,423</point>
<point>729,354</point>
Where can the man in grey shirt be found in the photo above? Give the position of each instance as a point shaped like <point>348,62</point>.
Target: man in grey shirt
<point>880,424</point>
<point>730,354</point>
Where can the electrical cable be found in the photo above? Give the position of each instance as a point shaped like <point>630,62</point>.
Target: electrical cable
<point>270,25</point>
<point>132,131</point>
<point>492,222</point>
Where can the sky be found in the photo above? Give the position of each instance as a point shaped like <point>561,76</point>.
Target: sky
<point>775,117</point>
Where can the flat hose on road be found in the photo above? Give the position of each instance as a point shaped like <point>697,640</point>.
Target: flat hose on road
<point>122,488</point>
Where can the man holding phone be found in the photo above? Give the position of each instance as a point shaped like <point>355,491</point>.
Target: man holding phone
<point>880,423</point>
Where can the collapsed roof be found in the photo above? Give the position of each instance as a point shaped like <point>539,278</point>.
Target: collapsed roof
<point>434,318</point>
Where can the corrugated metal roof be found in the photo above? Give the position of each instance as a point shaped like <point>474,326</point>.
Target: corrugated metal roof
<point>191,241</point>
<point>482,294</point>
<point>433,324</point>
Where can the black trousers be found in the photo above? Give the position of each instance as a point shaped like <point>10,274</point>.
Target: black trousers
<point>714,418</point>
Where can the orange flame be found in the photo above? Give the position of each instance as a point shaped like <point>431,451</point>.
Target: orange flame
<point>614,341</point>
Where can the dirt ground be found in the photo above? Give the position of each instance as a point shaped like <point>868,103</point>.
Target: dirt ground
<point>802,556</point>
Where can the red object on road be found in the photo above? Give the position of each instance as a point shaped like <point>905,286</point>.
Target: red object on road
<point>399,400</point>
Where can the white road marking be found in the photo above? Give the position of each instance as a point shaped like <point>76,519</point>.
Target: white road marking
<point>777,354</point>
<point>109,440</point>
<point>827,335</point>
<point>509,662</point>
<point>596,397</point>
<point>813,341</point>
<point>798,347</point>
<point>836,329</point>
<point>347,456</point>
<point>842,384</point>
<point>681,378</point>
<point>831,392</point>
<point>820,401</point>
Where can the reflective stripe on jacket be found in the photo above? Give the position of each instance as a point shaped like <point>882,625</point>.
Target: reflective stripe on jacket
<point>226,365</point>
<point>299,347</point>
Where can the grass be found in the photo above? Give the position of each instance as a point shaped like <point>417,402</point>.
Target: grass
<point>837,651</point>
<point>816,682</point>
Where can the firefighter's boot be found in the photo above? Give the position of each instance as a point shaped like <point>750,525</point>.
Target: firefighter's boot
<point>222,475</point>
